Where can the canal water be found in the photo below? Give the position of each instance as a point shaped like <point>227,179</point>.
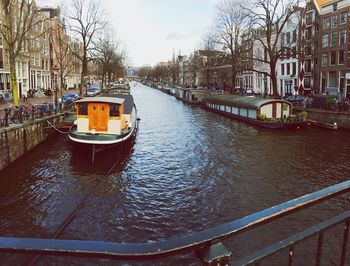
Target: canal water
<point>187,170</point>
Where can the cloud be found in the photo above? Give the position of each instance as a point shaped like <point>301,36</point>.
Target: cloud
<point>178,36</point>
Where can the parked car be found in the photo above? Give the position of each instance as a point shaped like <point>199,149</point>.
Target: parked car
<point>70,97</point>
<point>298,100</point>
<point>92,91</point>
<point>5,96</point>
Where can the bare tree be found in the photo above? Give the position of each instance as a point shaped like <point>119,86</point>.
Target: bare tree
<point>208,56</point>
<point>85,20</point>
<point>269,18</point>
<point>63,54</point>
<point>18,20</point>
<point>232,28</point>
<point>104,53</point>
<point>194,65</point>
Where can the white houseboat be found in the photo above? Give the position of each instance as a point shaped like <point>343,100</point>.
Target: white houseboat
<point>103,122</point>
<point>269,113</point>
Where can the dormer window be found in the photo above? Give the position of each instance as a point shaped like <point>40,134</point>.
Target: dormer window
<point>334,7</point>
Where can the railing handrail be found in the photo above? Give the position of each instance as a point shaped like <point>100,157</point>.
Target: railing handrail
<point>29,111</point>
<point>167,247</point>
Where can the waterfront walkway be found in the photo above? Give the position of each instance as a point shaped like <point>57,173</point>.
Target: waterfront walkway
<point>37,99</point>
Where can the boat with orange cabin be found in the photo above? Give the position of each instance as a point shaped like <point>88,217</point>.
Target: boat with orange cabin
<point>104,122</point>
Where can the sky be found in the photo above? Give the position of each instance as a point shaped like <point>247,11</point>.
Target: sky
<point>152,29</point>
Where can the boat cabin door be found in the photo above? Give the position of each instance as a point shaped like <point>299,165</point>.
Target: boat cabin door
<point>98,116</point>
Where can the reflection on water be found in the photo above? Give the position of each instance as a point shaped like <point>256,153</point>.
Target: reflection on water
<point>187,170</point>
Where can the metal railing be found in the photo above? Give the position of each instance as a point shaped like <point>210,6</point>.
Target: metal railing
<point>28,111</point>
<point>207,245</point>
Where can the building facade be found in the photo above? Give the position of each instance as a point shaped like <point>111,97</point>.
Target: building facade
<point>288,65</point>
<point>334,50</point>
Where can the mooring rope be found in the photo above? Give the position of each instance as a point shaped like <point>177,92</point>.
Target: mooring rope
<point>60,131</point>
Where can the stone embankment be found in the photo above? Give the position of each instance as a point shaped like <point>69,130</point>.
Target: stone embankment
<point>18,139</point>
<point>341,118</point>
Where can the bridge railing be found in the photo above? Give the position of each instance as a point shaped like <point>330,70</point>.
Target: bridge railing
<point>28,111</point>
<point>207,245</point>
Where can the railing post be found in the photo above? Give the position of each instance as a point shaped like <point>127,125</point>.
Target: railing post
<point>345,242</point>
<point>215,254</point>
<point>290,256</point>
<point>319,249</point>
<point>7,114</point>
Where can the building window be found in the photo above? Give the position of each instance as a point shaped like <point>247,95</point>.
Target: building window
<point>308,34</point>
<point>282,69</point>
<point>307,82</point>
<point>325,41</point>
<point>309,18</point>
<point>288,69</point>
<point>294,69</point>
<point>334,7</point>
<point>325,59</point>
<point>1,59</point>
<point>282,40</point>
<point>326,23</point>
<point>308,65</point>
<point>341,57</point>
<point>334,21</point>
<point>342,37</point>
<point>334,40</point>
<point>294,52</point>
<point>308,50</point>
<point>288,38</point>
<point>333,57</point>
<point>343,17</point>
<point>294,36</point>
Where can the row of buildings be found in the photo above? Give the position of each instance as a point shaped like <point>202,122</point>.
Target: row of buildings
<point>39,65</point>
<point>317,59</point>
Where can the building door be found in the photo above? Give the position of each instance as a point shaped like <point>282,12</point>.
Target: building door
<point>98,116</point>
<point>342,87</point>
<point>323,84</point>
<point>347,88</point>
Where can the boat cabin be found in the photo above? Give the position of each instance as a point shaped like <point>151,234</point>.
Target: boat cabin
<point>250,107</point>
<point>108,115</point>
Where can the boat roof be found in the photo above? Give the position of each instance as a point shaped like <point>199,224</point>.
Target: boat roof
<point>101,99</point>
<point>128,100</point>
<point>242,101</point>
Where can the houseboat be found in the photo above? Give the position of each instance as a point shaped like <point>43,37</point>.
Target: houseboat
<point>104,122</point>
<point>269,113</point>
<point>192,95</point>
<point>120,88</point>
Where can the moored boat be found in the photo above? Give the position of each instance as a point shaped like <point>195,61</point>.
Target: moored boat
<point>104,122</point>
<point>268,113</point>
<point>192,95</point>
<point>333,126</point>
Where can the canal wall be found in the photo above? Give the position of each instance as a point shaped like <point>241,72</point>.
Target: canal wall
<point>16,140</point>
<point>341,118</point>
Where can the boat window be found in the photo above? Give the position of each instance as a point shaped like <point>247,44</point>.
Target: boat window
<point>82,109</point>
<point>252,113</point>
<point>243,112</point>
<point>228,109</point>
<point>114,109</point>
<point>222,108</point>
<point>235,110</point>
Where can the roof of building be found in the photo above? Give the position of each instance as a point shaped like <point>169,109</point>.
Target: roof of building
<point>241,101</point>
